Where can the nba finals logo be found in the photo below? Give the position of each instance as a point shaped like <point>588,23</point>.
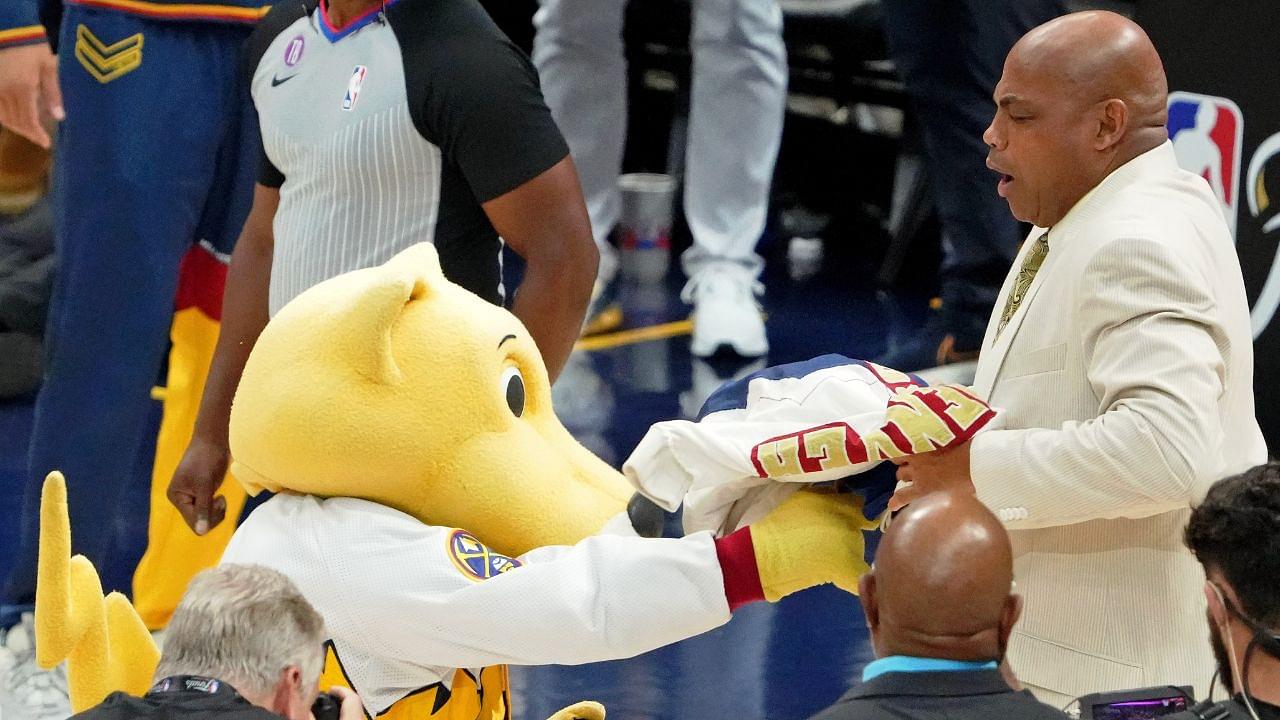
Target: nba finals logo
<point>1261,191</point>
<point>1207,135</point>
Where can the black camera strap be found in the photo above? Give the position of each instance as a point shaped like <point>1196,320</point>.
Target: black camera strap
<point>1210,710</point>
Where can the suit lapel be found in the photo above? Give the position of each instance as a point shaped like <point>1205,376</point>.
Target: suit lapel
<point>996,347</point>
<point>1156,162</point>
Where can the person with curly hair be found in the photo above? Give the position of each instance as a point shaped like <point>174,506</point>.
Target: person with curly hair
<point>1235,534</point>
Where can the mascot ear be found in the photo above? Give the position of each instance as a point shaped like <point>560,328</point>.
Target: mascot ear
<point>332,341</point>
<point>365,304</point>
<point>422,263</point>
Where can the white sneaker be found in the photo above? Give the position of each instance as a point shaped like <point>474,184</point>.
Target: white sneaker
<point>27,691</point>
<point>726,313</point>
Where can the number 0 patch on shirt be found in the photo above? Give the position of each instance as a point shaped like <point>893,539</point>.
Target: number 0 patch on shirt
<point>474,560</point>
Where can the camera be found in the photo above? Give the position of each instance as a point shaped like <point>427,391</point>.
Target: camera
<point>1144,704</point>
<point>326,707</point>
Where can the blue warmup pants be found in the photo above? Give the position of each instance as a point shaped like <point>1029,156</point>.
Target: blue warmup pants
<point>150,159</point>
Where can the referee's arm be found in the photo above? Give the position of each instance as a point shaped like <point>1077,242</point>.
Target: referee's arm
<point>545,222</point>
<point>476,96</point>
<point>244,315</point>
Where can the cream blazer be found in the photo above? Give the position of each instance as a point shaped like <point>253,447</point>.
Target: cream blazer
<point>1126,381</point>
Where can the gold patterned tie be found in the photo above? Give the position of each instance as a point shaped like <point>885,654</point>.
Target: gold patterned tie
<point>1030,266</point>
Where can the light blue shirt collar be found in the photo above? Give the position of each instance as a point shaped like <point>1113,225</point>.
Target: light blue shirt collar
<point>907,663</point>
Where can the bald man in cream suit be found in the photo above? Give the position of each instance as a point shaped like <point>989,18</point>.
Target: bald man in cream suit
<point>1120,352</point>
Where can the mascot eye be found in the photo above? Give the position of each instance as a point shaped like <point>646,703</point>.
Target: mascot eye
<point>513,387</point>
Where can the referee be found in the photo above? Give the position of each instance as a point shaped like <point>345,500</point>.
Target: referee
<point>385,124</point>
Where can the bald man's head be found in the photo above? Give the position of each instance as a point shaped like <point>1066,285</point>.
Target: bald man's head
<point>1080,96</point>
<point>941,586</point>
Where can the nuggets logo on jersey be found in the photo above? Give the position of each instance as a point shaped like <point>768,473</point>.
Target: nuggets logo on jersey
<point>476,561</point>
<point>1207,134</point>
<point>353,87</point>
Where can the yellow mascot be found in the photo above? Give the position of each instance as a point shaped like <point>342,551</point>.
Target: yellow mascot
<point>432,508</point>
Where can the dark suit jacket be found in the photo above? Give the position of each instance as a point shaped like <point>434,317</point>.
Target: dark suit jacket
<point>977,694</point>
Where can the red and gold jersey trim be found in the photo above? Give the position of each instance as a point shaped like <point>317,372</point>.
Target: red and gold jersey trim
<point>179,11</point>
<point>21,35</point>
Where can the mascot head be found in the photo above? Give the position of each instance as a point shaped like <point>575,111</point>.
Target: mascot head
<point>394,385</point>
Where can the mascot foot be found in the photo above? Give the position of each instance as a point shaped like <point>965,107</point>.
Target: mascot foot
<point>585,710</point>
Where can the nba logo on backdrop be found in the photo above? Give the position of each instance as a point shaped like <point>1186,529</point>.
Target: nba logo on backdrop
<point>353,87</point>
<point>1207,134</point>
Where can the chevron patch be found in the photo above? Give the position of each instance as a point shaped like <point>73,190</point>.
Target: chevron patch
<point>107,62</point>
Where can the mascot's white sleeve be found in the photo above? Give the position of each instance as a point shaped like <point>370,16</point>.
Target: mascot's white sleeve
<point>389,586</point>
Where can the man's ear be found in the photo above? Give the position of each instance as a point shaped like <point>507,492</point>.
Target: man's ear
<point>1217,610</point>
<point>870,603</point>
<point>1009,617</point>
<point>287,692</point>
<point>1113,122</point>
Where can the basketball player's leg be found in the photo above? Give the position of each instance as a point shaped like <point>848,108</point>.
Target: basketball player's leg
<point>174,553</point>
<point>578,50</point>
<point>134,168</point>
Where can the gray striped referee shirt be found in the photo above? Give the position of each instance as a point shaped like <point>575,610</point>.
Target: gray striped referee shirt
<point>389,131</point>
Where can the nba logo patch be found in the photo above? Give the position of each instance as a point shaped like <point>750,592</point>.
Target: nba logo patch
<point>1207,134</point>
<point>353,87</point>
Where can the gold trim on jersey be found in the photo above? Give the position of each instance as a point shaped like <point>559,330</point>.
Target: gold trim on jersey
<point>24,34</point>
<point>180,11</point>
<point>487,697</point>
<point>108,62</point>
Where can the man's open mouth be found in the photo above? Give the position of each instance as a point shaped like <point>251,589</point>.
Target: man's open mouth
<point>1003,187</point>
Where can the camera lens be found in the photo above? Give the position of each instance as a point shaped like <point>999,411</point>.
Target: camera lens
<point>326,707</point>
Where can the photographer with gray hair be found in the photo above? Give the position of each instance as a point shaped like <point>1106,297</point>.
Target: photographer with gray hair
<point>243,644</point>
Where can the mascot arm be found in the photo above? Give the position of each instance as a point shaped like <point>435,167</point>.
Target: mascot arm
<point>389,585</point>
<point>605,598</point>
<point>439,597</point>
<point>611,597</point>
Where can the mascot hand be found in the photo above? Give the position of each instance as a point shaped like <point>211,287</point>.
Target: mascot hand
<point>585,710</point>
<point>811,539</point>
